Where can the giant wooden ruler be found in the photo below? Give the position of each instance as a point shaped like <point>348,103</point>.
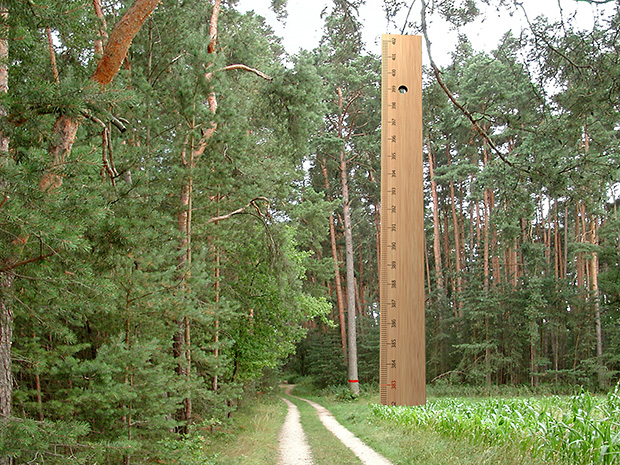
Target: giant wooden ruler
<point>402,358</point>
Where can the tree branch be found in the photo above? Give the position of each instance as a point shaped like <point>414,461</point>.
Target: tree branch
<point>103,33</point>
<point>30,260</point>
<point>50,45</point>
<point>247,68</point>
<point>407,18</point>
<point>227,216</point>
<point>242,67</point>
<point>120,40</point>
<point>238,211</point>
<point>213,25</point>
<point>463,110</point>
<point>548,44</point>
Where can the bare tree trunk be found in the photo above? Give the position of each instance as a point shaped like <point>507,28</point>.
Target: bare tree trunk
<point>579,237</point>
<point>566,234</point>
<point>181,336</point>
<point>50,44</point>
<point>594,265</point>
<point>339,296</point>
<point>497,275</point>
<point>216,337</point>
<point>6,341</point>
<point>427,268</point>
<point>64,134</point>
<point>6,278</point>
<point>348,240</point>
<point>487,350</point>
<point>557,246</point>
<point>436,232</point>
<point>457,248</point>
<point>378,228</point>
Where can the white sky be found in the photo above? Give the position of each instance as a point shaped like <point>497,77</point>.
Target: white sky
<point>303,28</point>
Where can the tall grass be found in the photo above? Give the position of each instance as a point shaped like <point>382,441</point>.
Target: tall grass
<point>581,429</point>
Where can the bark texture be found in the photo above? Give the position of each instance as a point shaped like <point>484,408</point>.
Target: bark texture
<point>120,40</point>
<point>338,284</point>
<point>6,340</point>
<point>348,240</point>
<point>6,277</point>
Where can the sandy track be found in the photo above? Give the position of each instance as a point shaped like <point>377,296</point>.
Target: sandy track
<point>296,436</point>
<point>294,448</point>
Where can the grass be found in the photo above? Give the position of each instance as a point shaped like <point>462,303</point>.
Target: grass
<point>406,445</point>
<point>551,430</point>
<point>326,448</point>
<point>580,429</point>
<point>253,440</point>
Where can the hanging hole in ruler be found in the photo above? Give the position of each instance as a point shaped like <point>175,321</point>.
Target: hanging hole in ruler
<point>403,89</point>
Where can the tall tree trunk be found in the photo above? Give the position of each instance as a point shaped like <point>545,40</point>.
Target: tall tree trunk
<point>216,337</point>
<point>338,283</point>
<point>486,273</point>
<point>181,336</point>
<point>557,246</point>
<point>6,278</point>
<point>495,262</point>
<point>427,268</point>
<point>595,295</point>
<point>436,232</point>
<point>6,341</point>
<point>350,267</point>
<point>457,249</point>
<point>446,245</point>
<point>580,238</point>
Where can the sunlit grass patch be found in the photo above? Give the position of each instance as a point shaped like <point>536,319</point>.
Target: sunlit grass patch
<point>253,440</point>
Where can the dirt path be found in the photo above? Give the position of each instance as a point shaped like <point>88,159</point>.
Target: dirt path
<point>361,450</point>
<point>294,448</point>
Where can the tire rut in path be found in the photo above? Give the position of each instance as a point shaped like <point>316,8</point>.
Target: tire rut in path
<point>361,450</point>
<point>294,448</point>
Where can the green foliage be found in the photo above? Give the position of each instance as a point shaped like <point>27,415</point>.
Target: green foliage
<point>580,429</point>
<point>114,333</point>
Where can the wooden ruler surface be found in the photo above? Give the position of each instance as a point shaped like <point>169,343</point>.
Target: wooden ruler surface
<point>402,357</point>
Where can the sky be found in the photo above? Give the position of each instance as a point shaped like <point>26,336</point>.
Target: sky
<point>303,27</point>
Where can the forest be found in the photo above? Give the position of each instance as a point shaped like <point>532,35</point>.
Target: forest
<point>186,208</point>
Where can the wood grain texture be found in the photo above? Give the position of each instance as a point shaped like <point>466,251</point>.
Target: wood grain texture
<point>402,372</point>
